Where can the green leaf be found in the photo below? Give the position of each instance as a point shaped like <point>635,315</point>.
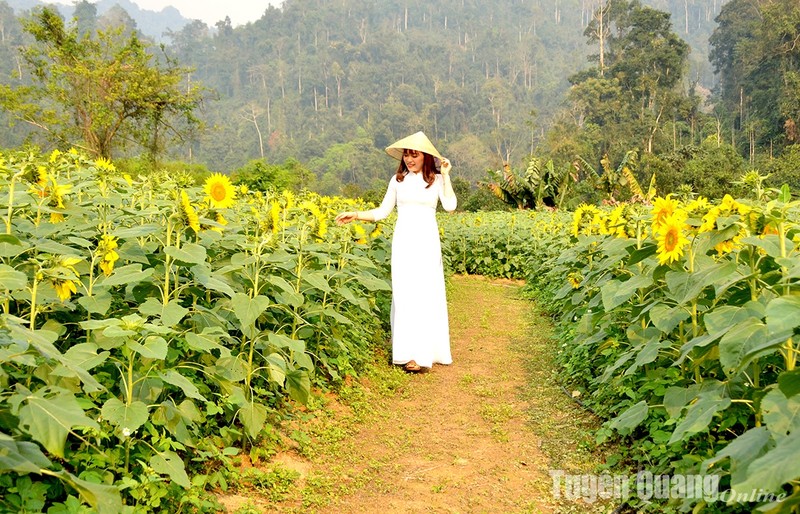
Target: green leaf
<point>770,243</point>
<point>154,347</point>
<point>205,342</point>
<point>11,279</point>
<point>783,314</point>
<point>172,313</point>
<point>317,280</point>
<point>781,414</point>
<point>789,382</point>
<point>230,368</point>
<point>666,318</point>
<point>638,255</point>
<point>104,499</point>
<point>720,320</point>
<point>187,255</point>
<point>169,463</point>
<point>41,340</point>
<point>212,281</point>
<point>253,415</point>
<point>247,309</point>
<point>276,365</point>
<point>130,274</point>
<point>98,303</point>
<point>303,360</point>
<point>137,231</point>
<point>630,419</point>
<point>676,398</point>
<point>698,417</point>
<point>173,377</point>
<point>348,295</point>
<point>129,417</point>
<point>685,286</point>
<point>329,311</point>
<point>21,456</point>
<point>738,341</point>
<point>50,420</point>
<point>773,469</point>
<point>741,451</point>
<point>616,293</point>
<point>785,194</point>
<point>372,283</point>
<point>77,362</point>
<point>283,341</point>
<point>647,354</point>
<point>298,386</point>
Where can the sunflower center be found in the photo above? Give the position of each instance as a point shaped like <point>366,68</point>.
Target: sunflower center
<point>670,240</point>
<point>218,192</point>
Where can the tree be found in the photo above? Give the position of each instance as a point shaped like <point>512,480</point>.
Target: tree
<point>85,16</point>
<point>756,53</point>
<point>639,81</point>
<point>262,176</point>
<point>99,93</point>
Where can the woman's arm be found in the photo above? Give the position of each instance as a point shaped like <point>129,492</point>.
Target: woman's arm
<point>379,213</point>
<point>447,196</point>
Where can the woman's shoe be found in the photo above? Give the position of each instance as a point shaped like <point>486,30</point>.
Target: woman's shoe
<point>412,367</point>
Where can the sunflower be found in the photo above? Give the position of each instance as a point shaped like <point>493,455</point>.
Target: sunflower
<point>219,218</point>
<point>670,237</point>
<point>662,209</point>
<point>274,220</point>
<point>104,164</point>
<point>64,288</point>
<point>574,278</point>
<point>219,191</point>
<point>106,250</point>
<point>584,219</point>
<point>62,275</point>
<point>319,223</point>
<point>360,234</point>
<point>188,214</point>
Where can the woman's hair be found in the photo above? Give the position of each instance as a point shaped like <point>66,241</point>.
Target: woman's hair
<point>429,170</point>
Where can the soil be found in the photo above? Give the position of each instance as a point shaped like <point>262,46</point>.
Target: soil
<point>480,435</point>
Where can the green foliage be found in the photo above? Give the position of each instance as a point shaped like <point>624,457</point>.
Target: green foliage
<point>691,363</point>
<point>145,336</point>
<point>542,185</point>
<point>637,79</point>
<point>96,90</point>
<point>754,54</point>
<point>785,169</point>
<point>709,169</point>
<point>259,175</point>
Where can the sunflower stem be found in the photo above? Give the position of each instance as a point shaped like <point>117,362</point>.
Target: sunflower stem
<point>34,289</point>
<point>167,264</point>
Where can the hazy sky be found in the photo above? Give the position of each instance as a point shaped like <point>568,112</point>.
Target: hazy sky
<point>212,11</point>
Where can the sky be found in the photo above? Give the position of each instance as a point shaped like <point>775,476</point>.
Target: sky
<point>212,11</point>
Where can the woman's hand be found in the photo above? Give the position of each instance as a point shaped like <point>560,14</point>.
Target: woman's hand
<point>346,217</point>
<point>446,167</point>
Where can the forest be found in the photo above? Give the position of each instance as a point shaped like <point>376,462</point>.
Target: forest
<point>314,90</point>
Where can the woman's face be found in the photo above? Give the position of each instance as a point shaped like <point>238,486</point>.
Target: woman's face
<point>413,160</point>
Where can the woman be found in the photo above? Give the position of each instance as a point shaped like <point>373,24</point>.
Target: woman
<point>420,330</point>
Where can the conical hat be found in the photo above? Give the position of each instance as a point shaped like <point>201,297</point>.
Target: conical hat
<point>418,142</point>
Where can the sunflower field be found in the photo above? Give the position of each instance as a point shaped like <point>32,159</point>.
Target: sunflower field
<point>677,326</point>
<point>152,329</point>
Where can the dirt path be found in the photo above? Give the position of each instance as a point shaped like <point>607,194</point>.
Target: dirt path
<point>478,436</point>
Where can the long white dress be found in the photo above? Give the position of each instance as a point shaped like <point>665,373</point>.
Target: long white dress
<point>420,329</point>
